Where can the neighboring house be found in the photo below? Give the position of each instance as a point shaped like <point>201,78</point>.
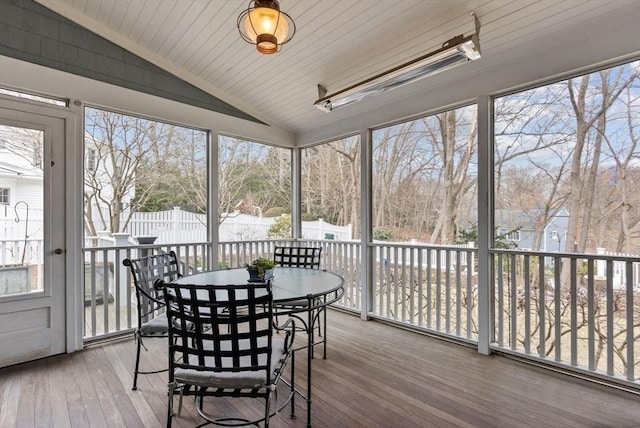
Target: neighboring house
<point>21,192</point>
<point>521,227</point>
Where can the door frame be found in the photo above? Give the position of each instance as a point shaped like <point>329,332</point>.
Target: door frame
<point>72,221</point>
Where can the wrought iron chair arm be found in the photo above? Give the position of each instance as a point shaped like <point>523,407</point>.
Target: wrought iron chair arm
<point>289,327</point>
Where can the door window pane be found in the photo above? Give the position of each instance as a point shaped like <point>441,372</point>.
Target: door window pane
<point>21,211</point>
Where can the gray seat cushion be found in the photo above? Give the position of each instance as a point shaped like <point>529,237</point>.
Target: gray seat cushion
<point>242,380</point>
<point>155,326</point>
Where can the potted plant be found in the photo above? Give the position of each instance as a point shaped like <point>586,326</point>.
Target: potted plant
<point>261,269</point>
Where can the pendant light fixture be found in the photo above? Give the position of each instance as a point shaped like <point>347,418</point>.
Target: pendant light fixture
<point>264,25</point>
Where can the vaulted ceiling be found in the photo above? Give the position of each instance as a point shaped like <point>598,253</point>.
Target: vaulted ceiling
<point>339,42</point>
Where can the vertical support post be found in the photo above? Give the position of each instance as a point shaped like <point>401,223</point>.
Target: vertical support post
<point>213,223</point>
<point>74,173</point>
<point>485,225</point>
<point>296,193</point>
<point>366,254</point>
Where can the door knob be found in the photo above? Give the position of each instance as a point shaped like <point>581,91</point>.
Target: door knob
<point>58,251</point>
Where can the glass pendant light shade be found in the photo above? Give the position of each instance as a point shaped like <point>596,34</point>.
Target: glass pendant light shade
<point>264,25</point>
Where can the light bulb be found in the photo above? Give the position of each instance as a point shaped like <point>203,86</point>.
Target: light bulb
<point>265,20</point>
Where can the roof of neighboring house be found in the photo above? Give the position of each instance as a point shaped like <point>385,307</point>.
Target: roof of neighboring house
<point>9,169</point>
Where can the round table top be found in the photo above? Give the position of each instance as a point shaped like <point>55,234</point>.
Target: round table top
<point>288,283</point>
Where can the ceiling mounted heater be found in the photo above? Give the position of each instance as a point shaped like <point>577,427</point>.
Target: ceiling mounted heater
<point>457,50</point>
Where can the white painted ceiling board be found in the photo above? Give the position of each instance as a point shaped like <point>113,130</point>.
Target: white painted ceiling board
<point>337,43</point>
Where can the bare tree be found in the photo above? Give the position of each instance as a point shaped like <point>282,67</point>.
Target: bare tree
<point>121,151</point>
<point>331,182</point>
<point>455,152</point>
<point>590,104</point>
<point>252,177</point>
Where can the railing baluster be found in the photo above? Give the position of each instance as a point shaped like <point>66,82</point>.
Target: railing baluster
<point>542,314</point>
<point>93,295</point>
<point>429,291</point>
<point>514,303</point>
<point>527,302</point>
<point>630,320</point>
<point>438,290</point>
<point>458,292</point>
<point>412,286</point>
<point>591,316</point>
<point>420,289</point>
<point>381,280</point>
<point>501,309</point>
<point>447,288</point>
<point>128,293</point>
<point>574,313</point>
<point>470,301</point>
<point>105,291</point>
<point>117,298</point>
<point>610,342</point>
<point>557,318</point>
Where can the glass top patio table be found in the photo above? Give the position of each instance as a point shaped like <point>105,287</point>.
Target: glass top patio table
<point>318,287</point>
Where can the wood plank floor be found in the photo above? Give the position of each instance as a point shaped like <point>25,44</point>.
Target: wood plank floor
<point>376,375</point>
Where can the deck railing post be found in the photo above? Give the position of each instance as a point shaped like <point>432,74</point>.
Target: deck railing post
<point>120,274</point>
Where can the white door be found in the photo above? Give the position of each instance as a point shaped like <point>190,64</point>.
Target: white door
<point>32,233</point>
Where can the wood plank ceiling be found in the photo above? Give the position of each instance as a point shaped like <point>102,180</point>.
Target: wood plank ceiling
<point>337,43</point>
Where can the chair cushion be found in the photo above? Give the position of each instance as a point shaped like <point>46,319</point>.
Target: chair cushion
<point>157,325</point>
<point>236,380</point>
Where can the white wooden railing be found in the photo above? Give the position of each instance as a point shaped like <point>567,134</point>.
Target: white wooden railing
<point>561,309</point>
<point>571,310</point>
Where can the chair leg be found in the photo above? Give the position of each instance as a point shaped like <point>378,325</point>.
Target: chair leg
<point>310,331</point>
<point>267,411</point>
<point>324,334</point>
<point>170,405</point>
<point>293,388</point>
<point>138,340</point>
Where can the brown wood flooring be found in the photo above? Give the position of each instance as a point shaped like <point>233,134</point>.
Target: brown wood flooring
<point>376,375</point>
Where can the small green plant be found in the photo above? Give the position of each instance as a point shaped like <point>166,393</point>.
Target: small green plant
<point>261,264</point>
<point>281,228</point>
<point>382,235</point>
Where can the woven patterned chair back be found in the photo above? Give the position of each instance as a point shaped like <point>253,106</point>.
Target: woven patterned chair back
<point>146,271</point>
<point>305,257</point>
<point>220,328</point>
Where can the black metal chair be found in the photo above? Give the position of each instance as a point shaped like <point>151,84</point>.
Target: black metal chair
<point>305,257</point>
<point>152,320</point>
<point>309,258</point>
<point>221,344</point>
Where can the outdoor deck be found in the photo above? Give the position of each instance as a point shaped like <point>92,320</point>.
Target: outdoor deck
<point>376,375</point>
